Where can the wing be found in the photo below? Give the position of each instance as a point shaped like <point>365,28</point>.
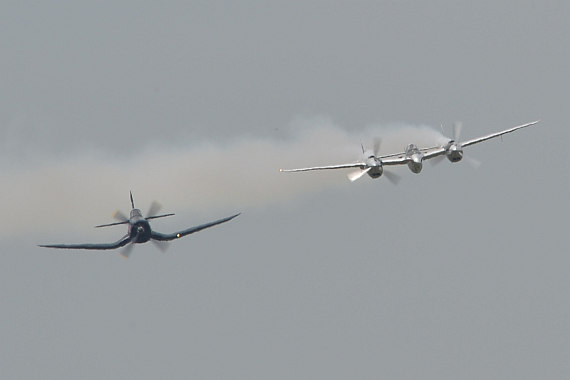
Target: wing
<point>433,152</point>
<point>401,158</point>
<point>164,237</point>
<point>496,134</point>
<point>343,166</point>
<point>395,160</point>
<point>124,241</point>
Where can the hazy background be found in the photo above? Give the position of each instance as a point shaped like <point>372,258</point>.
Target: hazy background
<point>457,273</point>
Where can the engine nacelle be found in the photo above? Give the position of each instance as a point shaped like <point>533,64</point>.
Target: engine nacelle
<point>376,171</point>
<point>454,153</point>
<point>375,165</point>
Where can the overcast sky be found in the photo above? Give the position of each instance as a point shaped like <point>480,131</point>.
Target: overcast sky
<point>456,273</point>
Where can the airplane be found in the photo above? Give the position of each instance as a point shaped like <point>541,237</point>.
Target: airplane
<point>139,231</point>
<point>412,156</point>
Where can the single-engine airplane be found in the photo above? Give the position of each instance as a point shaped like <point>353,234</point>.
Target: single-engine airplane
<point>412,155</point>
<point>139,231</point>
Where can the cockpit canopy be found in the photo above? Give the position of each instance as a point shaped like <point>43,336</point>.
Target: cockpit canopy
<point>412,148</point>
<point>136,213</point>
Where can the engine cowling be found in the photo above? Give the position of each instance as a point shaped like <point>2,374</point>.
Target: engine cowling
<point>375,165</point>
<point>454,152</point>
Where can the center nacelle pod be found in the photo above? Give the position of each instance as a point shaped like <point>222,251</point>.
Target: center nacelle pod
<point>416,163</point>
<point>416,158</point>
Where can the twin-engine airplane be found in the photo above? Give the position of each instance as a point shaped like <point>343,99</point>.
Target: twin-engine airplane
<point>139,231</point>
<point>412,156</point>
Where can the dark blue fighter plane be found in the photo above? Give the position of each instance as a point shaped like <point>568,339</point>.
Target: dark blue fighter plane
<point>139,231</point>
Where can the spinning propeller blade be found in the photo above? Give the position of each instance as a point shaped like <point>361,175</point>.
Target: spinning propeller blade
<point>437,160</point>
<point>376,146</point>
<point>118,215</point>
<point>475,164</point>
<point>154,209</point>
<point>127,250</point>
<point>122,219</point>
<point>457,127</point>
<point>161,245</point>
<point>392,177</point>
<point>353,176</point>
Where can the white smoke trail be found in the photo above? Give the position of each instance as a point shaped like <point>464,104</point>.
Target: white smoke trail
<point>210,179</point>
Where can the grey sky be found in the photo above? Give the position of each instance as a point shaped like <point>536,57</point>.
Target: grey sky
<point>456,273</point>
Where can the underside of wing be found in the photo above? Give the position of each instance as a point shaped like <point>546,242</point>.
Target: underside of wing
<point>124,241</point>
<point>342,166</point>
<point>165,237</point>
<point>496,134</point>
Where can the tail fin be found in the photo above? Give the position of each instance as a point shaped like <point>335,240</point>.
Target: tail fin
<point>132,202</point>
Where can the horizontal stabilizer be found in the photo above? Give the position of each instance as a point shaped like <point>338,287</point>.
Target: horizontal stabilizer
<point>112,224</point>
<point>159,216</point>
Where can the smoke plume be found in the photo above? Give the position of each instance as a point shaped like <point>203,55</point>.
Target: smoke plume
<point>206,178</point>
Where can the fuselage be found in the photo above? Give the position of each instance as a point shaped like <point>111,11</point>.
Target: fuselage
<point>139,228</point>
<point>416,158</point>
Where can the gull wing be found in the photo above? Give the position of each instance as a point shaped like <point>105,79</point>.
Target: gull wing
<point>496,134</point>
<point>120,243</point>
<point>165,237</point>
<point>342,166</point>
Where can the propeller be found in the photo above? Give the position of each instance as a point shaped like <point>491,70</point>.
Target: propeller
<point>392,177</point>
<point>376,146</point>
<point>437,160</point>
<point>161,245</point>
<point>359,173</point>
<point>128,249</point>
<point>456,144</point>
<point>353,176</point>
<point>457,127</point>
<point>154,209</point>
<point>118,215</point>
<point>475,164</point>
